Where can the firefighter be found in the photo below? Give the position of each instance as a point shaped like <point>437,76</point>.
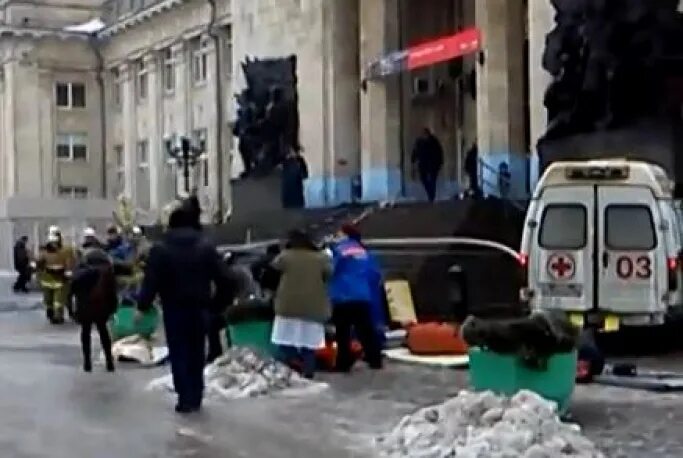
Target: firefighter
<point>55,265</point>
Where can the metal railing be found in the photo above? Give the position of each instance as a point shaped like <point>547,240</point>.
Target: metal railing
<point>500,183</point>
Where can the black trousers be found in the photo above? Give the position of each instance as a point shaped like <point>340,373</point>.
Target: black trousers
<point>105,341</point>
<point>215,324</point>
<point>186,339</point>
<point>429,179</point>
<point>355,316</point>
<point>23,277</point>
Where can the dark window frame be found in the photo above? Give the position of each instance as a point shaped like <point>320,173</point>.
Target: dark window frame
<point>542,225</point>
<point>606,241</point>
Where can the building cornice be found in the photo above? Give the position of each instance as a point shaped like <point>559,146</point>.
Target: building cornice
<point>37,33</point>
<point>139,17</point>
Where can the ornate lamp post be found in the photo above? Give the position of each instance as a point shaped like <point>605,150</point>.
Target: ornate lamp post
<point>186,154</point>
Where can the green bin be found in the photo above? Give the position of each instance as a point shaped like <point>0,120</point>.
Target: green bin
<point>123,322</point>
<point>506,375</point>
<point>252,334</point>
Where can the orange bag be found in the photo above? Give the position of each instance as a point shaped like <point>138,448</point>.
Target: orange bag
<point>327,356</point>
<point>435,339</point>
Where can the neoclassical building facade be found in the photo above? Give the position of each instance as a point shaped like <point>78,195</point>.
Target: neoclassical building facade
<point>92,92</point>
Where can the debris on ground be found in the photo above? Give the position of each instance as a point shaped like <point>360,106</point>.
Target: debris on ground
<point>242,373</point>
<point>484,425</point>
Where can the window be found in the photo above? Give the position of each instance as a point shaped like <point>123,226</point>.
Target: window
<point>116,87</point>
<point>72,147</point>
<point>73,192</point>
<point>200,62</point>
<point>629,228</point>
<point>120,169</point>
<point>563,227</point>
<point>143,153</point>
<point>169,71</point>
<point>70,95</point>
<point>227,51</point>
<point>143,181</point>
<point>199,137</point>
<point>141,81</point>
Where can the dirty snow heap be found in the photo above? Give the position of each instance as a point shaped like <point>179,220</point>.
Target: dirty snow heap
<point>483,425</point>
<point>241,373</point>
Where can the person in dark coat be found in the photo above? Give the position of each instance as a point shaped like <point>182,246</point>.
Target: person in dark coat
<point>22,264</point>
<point>294,172</point>
<point>428,157</point>
<point>94,287</point>
<point>263,271</point>
<point>472,169</point>
<point>182,269</point>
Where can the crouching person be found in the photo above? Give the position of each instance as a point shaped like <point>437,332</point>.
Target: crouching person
<point>301,303</point>
<point>94,287</point>
<point>355,290</point>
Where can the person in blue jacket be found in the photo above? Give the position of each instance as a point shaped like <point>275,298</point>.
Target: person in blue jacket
<point>355,292</point>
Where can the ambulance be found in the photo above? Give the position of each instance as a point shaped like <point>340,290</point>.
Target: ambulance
<point>602,243</point>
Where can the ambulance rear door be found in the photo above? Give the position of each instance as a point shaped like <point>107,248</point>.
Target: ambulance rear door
<point>632,272</point>
<point>561,263</point>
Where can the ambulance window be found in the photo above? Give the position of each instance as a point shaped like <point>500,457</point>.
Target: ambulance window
<point>563,227</point>
<point>629,228</point>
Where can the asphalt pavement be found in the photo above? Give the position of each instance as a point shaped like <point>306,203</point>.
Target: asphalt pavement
<point>52,409</point>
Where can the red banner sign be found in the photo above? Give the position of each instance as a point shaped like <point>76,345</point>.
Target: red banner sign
<point>443,49</point>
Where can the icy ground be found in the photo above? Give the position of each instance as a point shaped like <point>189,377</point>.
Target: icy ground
<point>51,409</point>
<point>241,373</point>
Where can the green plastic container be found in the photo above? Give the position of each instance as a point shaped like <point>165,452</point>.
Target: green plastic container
<point>506,374</point>
<point>123,323</point>
<point>253,334</point>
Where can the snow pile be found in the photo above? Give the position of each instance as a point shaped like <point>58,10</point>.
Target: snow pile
<point>241,373</point>
<point>483,425</point>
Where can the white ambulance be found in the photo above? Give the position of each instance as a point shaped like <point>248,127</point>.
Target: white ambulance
<point>602,242</point>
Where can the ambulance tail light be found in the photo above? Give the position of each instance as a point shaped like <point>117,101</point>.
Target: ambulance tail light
<point>672,268</point>
<point>523,261</point>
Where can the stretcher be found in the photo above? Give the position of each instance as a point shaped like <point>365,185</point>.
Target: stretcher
<point>656,381</point>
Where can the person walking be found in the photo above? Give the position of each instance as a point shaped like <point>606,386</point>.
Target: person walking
<point>301,304</point>
<point>472,170</point>
<point>182,269</point>
<point>355,293</point>
<point>94,286</point>
<point>428,157</point>
<point>22,265</point>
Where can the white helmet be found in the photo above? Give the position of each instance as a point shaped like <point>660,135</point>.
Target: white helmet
<point>137,230</point>
<point>53,230</point>
<point>89,232</point>
<point>52,238</point>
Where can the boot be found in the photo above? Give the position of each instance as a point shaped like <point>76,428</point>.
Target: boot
<point>110,366</point>
<point>50,314</point>
<point>87,366</point>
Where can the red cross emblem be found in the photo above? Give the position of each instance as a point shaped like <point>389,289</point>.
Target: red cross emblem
<point>561,266</point>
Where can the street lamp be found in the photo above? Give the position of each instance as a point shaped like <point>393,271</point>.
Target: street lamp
<point>185,153</point>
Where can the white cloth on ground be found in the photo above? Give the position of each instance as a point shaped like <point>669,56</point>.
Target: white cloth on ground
<point>298,333</point>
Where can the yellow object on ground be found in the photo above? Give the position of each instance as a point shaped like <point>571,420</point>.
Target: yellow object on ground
<point>400,299</point>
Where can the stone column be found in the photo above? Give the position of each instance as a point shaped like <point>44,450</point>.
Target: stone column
<point>501,116</point>
<point>128,115</point>
<point>212,129</point>
<point>154,129</point>
<point>341,87</point>
<point>9,122</point>
<point>379,104</point>
<point>541,22</point>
